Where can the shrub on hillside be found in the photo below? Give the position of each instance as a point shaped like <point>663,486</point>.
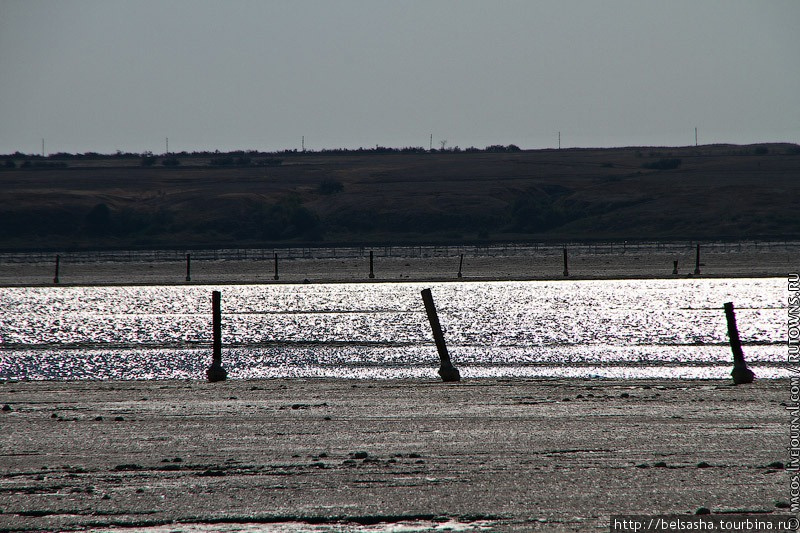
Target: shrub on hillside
<point>287,219</point>
<point>226,161</point>
<point>663,164</point>
<point>499,148</point>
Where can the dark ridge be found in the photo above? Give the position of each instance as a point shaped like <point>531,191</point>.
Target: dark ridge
<point>399,196</point>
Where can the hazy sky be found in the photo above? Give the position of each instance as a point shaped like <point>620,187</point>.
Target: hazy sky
<point>111,75</point>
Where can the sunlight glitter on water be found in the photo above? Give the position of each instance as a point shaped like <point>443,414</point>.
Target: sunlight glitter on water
<point>620,328</point>
<point>403,526</point>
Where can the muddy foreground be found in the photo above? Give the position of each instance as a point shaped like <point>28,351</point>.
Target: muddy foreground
<point>550,455</point>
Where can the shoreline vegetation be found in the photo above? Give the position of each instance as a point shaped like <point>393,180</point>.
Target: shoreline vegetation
<point>382,196</point>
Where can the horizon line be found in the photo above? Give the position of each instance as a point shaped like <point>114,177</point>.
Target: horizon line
<point>378,148</point>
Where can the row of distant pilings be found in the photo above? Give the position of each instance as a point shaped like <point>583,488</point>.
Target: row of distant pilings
<point>371,275</point>
<point>216,372</point>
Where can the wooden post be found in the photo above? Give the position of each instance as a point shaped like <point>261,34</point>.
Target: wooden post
<point>697,260</point>
<point>566,268</point>
<point>188,267</point>
<point>275,277</point>
<point>675,268</point>
<point>371,271</point>
<point>216,304</point>
<point>446,369</point>
<point>215,372</point>
<point>58,261</point>
<point>741,374</point>
<point>460,264</point>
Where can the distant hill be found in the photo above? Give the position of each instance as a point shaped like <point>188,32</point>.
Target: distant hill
<point>125,201</point>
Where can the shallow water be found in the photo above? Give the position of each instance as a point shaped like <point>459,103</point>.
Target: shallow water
<point>612,328</point>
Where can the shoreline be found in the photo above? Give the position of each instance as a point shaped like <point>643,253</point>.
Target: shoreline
<point>509,454</point>
<point>211,282</point>
<point>763,263</point>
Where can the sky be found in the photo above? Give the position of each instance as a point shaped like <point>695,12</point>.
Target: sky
<point>108,75</point>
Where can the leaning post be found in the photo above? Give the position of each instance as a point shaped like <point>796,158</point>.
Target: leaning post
<point>58,261</point>
<point>460,264</point>
<point>446,369</point>
<point>566,267</point>
<point>215,372</point>
<point>740,373</point>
